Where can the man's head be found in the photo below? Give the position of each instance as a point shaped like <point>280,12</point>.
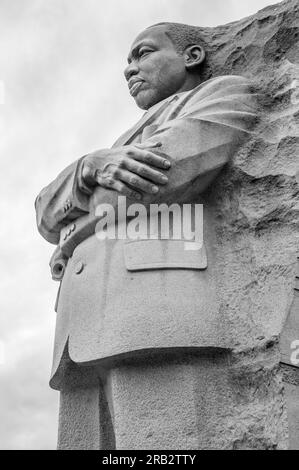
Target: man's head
<point>163,60</point>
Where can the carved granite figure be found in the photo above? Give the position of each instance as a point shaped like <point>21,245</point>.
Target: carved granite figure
<point>142,351</point>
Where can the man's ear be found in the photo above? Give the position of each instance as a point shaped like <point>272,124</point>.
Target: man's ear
<point>193,56</point>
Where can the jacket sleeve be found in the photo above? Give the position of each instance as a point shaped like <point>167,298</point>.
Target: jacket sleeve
<point>60,202</point>
<point>203,131</point>
<point>203,134</point>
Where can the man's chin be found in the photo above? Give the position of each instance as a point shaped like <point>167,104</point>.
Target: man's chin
<point>144,100</point>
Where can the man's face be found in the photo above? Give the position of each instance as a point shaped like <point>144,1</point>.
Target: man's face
<point>156,70</point>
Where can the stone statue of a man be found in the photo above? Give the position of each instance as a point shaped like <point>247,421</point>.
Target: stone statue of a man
<point>142,353</point>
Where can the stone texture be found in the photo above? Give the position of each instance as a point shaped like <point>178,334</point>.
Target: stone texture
<point>292,397</point>
<point>203,401</point>
<point>84,420</point>
<point>291,385</point>
<point>290,334</point>
<point>258,202</point>
<point>79,419</point>
<point>257,196</point>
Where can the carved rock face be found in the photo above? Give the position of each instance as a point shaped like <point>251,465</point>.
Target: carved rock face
<point>257,202</point>
<point>257,197</point>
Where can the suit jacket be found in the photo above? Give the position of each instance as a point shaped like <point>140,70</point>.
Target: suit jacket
<point>119,297</point>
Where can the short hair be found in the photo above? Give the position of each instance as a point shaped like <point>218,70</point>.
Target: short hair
<point>182,35</point>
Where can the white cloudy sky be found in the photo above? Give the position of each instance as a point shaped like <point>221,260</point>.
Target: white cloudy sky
<point>61,62</point>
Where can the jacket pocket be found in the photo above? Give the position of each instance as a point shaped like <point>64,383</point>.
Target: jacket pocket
<point>164,254</point>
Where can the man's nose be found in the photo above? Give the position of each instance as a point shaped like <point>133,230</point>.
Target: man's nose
<point>131,69</point>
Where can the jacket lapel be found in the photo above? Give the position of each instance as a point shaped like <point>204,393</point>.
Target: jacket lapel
<point>147,119</point>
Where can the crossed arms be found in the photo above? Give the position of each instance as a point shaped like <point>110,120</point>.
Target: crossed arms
<point>203,131</point>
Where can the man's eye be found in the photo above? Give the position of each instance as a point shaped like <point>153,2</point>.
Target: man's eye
<point>144,52</point>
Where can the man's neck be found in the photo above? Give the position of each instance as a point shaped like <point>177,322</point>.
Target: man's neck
<point>191,82</point>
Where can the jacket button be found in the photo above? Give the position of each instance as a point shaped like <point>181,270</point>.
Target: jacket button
<point>73,227</point>
<point>79,267</point>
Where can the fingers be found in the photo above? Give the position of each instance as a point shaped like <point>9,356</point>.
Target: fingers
<point>137,183</point>
<point>130,170</point>
<point>145,171</point>
<point>122,188</point>
<point>150,158</point>
<point>110,183</point>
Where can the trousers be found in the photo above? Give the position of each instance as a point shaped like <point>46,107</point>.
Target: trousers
<point>175,401</point>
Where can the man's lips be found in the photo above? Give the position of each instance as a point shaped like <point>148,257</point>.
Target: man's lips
<point>134,86</point>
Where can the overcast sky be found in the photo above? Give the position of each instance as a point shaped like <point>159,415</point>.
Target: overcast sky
<point>61,62</point>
